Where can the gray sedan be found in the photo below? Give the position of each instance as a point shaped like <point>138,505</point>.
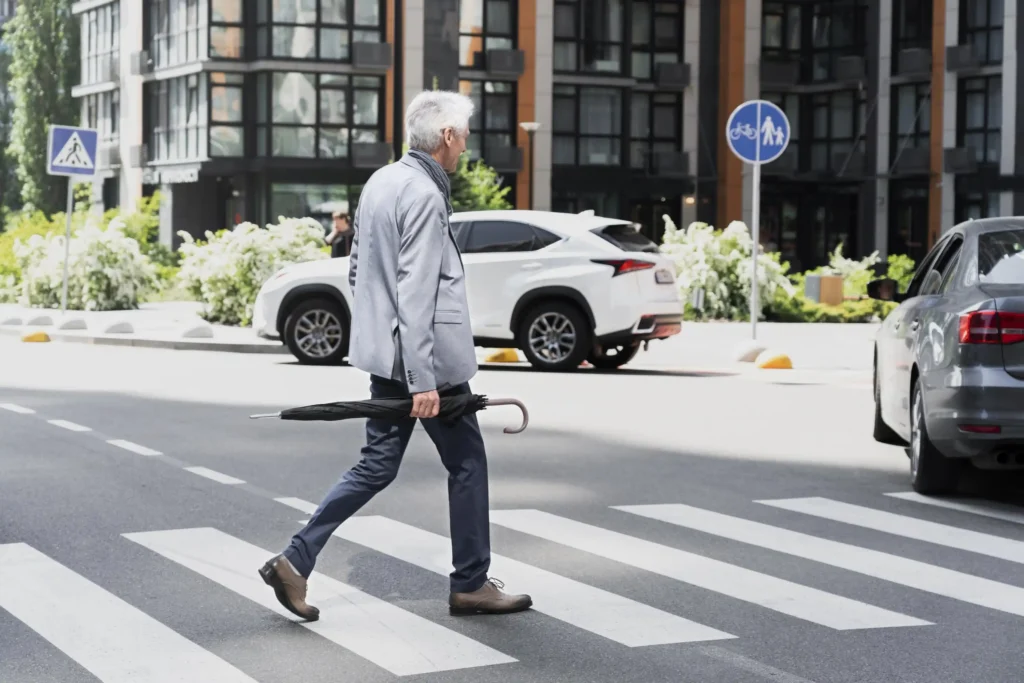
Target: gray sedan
<point>949,360</point>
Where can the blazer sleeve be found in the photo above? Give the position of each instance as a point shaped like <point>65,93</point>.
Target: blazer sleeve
<point>421,246</point>
<point>352,253</point>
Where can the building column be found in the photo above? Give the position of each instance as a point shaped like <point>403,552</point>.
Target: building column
<point>1007,160</point>
<point>412,51</point>
<point>691,103</point>
<point>751,91</point>
<point>731,95</point>
<point>534,98</point>
<point>130,125</point>
<point>882,157</point>
<point>942,199</point>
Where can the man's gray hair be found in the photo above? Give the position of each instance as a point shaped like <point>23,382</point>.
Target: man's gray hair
<point>431,112</point>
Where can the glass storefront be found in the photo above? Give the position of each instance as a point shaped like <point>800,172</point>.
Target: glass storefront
<point>300,200</point>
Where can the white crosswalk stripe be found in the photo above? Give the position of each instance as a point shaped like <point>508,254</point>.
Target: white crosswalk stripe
<point>907,527</point>
<point>396,640</point>
<point>798,601</point>
<point>591,609</point>
<point>893,568</point>
<point>114,641</point>
<point>1006,513</point>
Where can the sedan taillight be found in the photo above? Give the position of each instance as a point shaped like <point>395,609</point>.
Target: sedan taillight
<point>623,266</point>
<point>991,327</point>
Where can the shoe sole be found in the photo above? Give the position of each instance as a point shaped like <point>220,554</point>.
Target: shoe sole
<point>472,611</point>
<point>271,579</point>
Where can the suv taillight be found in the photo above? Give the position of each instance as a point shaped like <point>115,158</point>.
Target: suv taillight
<point>623,266</point>
<point>991,327</point>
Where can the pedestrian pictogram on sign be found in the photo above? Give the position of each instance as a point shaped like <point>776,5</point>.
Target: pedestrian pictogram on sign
<point>71,151</point>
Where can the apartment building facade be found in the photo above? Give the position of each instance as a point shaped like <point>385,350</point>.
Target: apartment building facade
<point>903,112</point>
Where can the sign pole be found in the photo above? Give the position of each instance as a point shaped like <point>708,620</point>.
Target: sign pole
<point>67,245</point>
<point>756,220</point>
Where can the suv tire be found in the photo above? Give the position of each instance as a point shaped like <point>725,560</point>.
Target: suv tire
<point>316,332</point>
<point>555,336</point>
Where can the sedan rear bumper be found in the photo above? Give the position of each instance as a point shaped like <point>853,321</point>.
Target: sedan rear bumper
<point>976,413</point>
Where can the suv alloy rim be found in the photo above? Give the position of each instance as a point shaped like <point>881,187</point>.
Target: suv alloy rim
<point>552,337</point>
<point>318,333</point>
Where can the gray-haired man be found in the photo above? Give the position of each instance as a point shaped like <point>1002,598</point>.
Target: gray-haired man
<point>411,333</point>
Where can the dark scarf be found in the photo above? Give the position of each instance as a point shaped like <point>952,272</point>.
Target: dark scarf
<point>437,174</point>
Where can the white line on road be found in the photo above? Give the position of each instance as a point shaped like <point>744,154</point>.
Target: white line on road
<point>752,665</point>
<point>893,568</point>
<point>1007,513</point>
<point>907,527</point>
<point>783,596</point>
<point>398,641</point>
<point>133,447</point>
<point>298,504</point>
<point>105,635</point>
<point>214,475</point>
<point>17,409</point>
<point>592,609</point>
<point>69,426</point>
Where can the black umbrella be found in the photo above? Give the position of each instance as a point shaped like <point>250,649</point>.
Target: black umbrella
<point>451,409</point>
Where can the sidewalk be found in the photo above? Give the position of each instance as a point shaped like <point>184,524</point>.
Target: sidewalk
<point>828,347</point>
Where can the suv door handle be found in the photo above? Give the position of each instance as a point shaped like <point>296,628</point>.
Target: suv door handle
<point>531,266</point>
<point>916,324</point>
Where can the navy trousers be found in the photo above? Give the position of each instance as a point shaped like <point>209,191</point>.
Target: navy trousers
<point>462,452</point>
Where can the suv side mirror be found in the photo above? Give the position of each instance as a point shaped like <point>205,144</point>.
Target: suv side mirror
<point>884,289</point>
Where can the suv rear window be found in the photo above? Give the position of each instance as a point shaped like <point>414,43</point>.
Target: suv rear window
<point>1001,257</point>
<point>626,238</point>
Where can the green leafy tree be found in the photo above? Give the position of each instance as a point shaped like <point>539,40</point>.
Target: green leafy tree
<point>10,191</point>
<point>477,187</point>
<point>44,44</point>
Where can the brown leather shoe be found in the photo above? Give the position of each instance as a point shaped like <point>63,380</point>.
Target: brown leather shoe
<point>488,599</point>
<point>289,586</point>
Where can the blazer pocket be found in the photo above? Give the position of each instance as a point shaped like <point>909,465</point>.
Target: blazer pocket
<point>448,317</point>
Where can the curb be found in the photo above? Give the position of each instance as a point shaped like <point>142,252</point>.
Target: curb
<point>173,344</point>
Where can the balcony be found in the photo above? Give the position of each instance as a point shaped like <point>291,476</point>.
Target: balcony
<point>959,160</point>
<point>370,154</point>
<point>673,76</point>
<point>961,58</point>
<point>779,73</point>
<point>670,164</point>
<point>371,56</point>
<point>913,62</point>
<point>849,164</point>
<point>504,159</point>
<point>142,63</point>
<point>506,62</point>
<point>109,156</point>
<point>913,161</point>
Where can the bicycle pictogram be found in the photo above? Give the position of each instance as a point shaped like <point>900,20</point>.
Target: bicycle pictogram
<point>743,129</point>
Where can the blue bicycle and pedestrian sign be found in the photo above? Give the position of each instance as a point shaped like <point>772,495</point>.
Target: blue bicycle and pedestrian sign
<point>758,133</point>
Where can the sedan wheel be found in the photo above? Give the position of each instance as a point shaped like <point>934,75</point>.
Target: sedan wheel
<point>930,471</point>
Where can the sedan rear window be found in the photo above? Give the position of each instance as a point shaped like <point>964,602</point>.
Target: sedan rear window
<point>1001,257</point>
<point>627,238</point>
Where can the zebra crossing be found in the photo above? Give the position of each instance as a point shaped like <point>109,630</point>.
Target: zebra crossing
<point>118,642</point>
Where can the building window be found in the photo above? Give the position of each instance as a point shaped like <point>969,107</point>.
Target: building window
<point>980,117</point>
<point>789,103</point>
<point>587,126</point>
<point>836,119</point>
<point>981,25</point>
<point>227,35</point>
<point>912,25</point>
<point>838,29</point>
<point>654,126</point>
<point>589,36</point>
<point>493,126</point>
<point>174,32</point>
<point>227,132</point>
<point>101,35</point>
<point>976,205</point>
<point>485,25</point>
<point>173,119</point>
<point>317,115</point>
<point>321,30</point>
<point>657,36</point>
<point>102,112</point>
<point>297,200</point>
<point>781,29</point>
<point>911,117</point>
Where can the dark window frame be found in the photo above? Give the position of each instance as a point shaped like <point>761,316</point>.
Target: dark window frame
<point>584,47</point>
<point>855,141</point>
<point>350,84</point>
<point>234,83</point>
<point>162,40</point>
<point>167,126</point>
<point>100,42</point>
<point>988,29</point>
<point>922,26</point>
<point>489,135</point>
<point>989,133</point>
<point>671,51</point>
<point>573,94</point>
<point>491,40</point>
<point>918,136</point>
<point>227,26</point>
<point>350,29</point>
<point>652,142</point>
<point>788,13</point>
<point>822,59</point>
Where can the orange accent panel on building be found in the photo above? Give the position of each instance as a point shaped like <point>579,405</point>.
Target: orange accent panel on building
<point>732,79</point>
<point>526,95</point>
<point>935,188</point>
<point>389,79</point>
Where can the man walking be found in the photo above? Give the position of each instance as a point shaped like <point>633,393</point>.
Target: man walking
<point>411,333</point>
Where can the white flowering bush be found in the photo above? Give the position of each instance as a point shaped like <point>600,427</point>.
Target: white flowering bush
<point>106,270</point>
<point>226,271</point>
<point>719,263</point>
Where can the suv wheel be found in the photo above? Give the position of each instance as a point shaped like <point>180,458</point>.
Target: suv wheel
<point>555,336</point>
<point>316,332</point>
<point>613,357</point>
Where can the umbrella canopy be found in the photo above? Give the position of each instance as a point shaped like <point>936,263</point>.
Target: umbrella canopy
<point>452,408</point>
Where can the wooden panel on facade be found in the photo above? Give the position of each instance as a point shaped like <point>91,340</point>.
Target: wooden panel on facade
<point>730,96</point>
<point>526,95</point>
<point>389,80</point>
<point>935,187</point>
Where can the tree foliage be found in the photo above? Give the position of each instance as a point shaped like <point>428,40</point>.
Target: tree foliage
<point>44,43</point>
<point>477,187</point>
<point>10,192</point>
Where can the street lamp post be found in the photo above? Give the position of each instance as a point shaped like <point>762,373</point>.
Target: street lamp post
<point>531,128</point>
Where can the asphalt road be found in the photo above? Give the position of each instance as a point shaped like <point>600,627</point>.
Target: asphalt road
<point>671,526</point>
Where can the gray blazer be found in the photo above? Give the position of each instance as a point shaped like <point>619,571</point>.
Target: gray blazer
<point>410,315</point>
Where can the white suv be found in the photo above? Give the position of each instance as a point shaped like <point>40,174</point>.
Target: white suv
<point>563,288</point>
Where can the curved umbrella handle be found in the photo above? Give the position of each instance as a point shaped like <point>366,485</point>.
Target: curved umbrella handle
<point>512,402</point>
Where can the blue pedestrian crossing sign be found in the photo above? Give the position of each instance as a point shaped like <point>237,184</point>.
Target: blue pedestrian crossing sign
<point>758,132</point>
<point>71,151</point>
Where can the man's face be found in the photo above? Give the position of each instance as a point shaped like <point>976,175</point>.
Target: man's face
<point>453,148</point>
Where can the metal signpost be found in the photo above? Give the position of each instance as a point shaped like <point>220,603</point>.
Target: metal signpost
<point>71,152</point>
<point>758,133</point>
